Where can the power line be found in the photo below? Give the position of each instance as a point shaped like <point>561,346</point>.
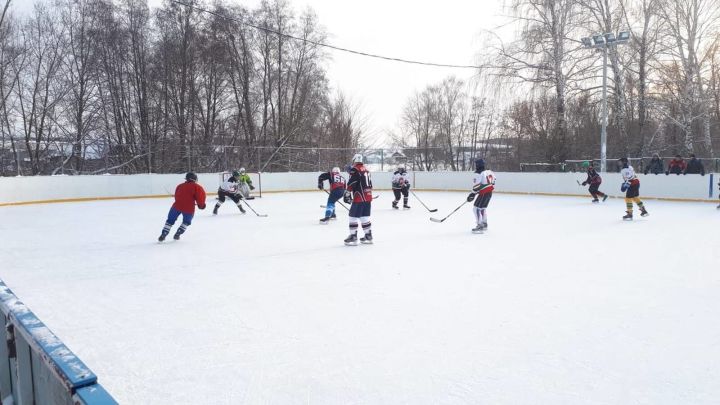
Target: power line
<point>337,48</point>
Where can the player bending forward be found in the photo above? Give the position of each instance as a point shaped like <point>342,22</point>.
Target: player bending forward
<point>631,187</point>
<point>229,189</point>
<point>483,186</point>
<point>401,185</point>
<point>337,190</point>
<point>359,194</point>
<point>245,184</point>
<point>594,180</point>
<point>186,196</point>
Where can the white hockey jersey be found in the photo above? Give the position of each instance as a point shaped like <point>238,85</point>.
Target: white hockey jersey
<point>230,186</point>
<point>400,180</point>
<point>628,174</point>
<point>484,182</point>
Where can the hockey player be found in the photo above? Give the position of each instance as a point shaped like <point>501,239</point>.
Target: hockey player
<point>337,190</point>
<point>359,194</point>
<point>594,181</point>
<point>483,186</point>
<point>631,187</point>
<point>245,184</point>
<point>186,196</point>
<point>401,185</point>
<point>229,189</point>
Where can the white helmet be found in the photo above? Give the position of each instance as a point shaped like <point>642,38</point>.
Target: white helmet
<point>358,158</point>
<point>242,170</point>
<point>401,168</point>
<point>335,170</point>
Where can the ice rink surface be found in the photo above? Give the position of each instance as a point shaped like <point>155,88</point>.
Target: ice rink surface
<point>560,302</point>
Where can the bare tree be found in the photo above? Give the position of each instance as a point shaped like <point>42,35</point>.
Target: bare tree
<point>38,91</point>
<point>692,25</point>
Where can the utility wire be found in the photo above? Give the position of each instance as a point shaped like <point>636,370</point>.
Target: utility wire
<point>337,48</point>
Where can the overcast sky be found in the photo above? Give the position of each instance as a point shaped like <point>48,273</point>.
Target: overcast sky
<point>437,31</point>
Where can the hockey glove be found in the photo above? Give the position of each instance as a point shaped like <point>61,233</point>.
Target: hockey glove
<point>584,183</point>
<point>625,186</point>
<point>252,187</point>
<point>347,198</point>
<point>470,197</point>
<point>407,186</point>
<point>320,186</point>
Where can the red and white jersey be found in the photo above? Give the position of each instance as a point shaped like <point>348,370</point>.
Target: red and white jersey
<point>360,184</point>
<point>484,182</point>
<point>628,175</point>
<point>336,181</point>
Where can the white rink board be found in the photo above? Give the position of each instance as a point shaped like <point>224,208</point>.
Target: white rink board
<point>44,188</point>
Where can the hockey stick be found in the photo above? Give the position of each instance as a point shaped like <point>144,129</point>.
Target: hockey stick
<point>337,202</point>
<point>251,209</point>
<point>448,215</point>
<point>423,204</point>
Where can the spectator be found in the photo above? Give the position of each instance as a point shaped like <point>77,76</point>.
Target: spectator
<point>677,165</point>
<point>694,166</point>
<point>655,166</point>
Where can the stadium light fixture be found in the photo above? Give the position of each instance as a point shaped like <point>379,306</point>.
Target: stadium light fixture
<point>603,42</point>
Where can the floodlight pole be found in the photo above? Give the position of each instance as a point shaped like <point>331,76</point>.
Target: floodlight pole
<point>603,132</point>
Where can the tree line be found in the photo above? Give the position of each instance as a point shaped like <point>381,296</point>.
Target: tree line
<point>538,94</point>
<point>96,86</point>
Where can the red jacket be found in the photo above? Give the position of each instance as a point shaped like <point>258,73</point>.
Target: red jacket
<point>186,195</point>
<point>678,165</point>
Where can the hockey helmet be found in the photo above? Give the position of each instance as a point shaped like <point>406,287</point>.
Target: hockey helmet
<point>358,158</point>
<point>236,173</point>
<point>190,176</point>
<point>401,168</point>
<point>335,170</point>
<point>242,170</point>
<point>585,164</point>
<point>479,165</point>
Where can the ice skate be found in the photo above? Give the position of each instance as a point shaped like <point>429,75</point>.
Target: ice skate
<point>406,207</point>
<point>176,236</point>
<point>325,221</point>
<point>595,201</point>
<point>643,212</point>
<point>478,229</point>
<point>242,211</point>
<point>605,197</point>
<point>395,205</point>
<point>215,210</point>
<point>333,216</point>
<point>367,239</point>
<point>628,217</point>
<point>351,240</point>
<point>162,236</point>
